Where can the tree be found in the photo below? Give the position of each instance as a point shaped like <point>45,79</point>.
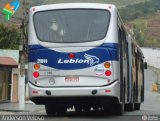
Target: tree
<point>9,37</point>
<point>139,36</point>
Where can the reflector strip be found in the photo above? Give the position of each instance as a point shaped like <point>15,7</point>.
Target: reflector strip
<point>107,91</point>
<point>35,92</point>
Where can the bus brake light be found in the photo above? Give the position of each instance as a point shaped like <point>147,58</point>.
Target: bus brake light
<point>108,73</point>
<point>110,7</point>
<point>36,74</point>
<point>33,9</point>
<point>71,55</point>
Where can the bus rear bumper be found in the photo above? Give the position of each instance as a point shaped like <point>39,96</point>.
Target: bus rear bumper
<point>112,90</point>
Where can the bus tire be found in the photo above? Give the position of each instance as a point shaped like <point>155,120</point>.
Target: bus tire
<point>50,110</point>
<point>137,106</point>
<point>61,110</point>
<point>86,109</point>
<point>119,109</point>
<point>78,108</point>
<point>131,105</point>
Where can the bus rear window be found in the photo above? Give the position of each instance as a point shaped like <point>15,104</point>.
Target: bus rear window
<point>71,25</point>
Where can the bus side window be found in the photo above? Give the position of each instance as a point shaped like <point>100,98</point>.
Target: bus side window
<point>141,65</point>
<point>133,55</point>
<point>136,59</point>
<point>125,44</point>
<point>119,38</point>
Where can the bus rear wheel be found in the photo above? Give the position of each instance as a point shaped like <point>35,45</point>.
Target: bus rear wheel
<point>55,109</point>
<point>137,106</point>
<point>119,109</point>
<point>62,111</point>
<point>131,105</point>
<point>50,110</point>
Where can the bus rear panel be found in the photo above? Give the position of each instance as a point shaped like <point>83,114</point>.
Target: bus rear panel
<point>74,57</point>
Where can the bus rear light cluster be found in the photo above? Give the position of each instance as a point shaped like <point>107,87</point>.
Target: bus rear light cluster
<point>35,74</point>
<point>107,65</point>
<point>108,73</point>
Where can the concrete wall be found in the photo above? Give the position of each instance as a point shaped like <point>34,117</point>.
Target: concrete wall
<point>152,74</point>
<point>152,56</point>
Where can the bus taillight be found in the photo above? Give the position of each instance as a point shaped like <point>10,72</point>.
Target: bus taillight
<point>108,73</point>
<point>36,66</point>
<point>110,7</point>
<point>107,65</point>
<point>36,74</point>
<point>33,9</point>
<point>71,55</point>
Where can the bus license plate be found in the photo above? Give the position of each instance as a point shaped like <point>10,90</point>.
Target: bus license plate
<point>71,79</point>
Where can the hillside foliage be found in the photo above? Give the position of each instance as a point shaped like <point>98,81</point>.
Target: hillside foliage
<point>143,16</point>
<point>131,12</point>
<point>144,19</point>
<point>119,3</point>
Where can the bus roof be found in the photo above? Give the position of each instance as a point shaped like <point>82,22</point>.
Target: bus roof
<point>74,5</point>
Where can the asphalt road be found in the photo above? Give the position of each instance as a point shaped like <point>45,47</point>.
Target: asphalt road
<point>150,109</point>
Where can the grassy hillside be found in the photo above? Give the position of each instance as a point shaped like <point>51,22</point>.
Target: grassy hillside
<point>147,30</point>
<point>119,3</point>
<point>142,16</point>
<point>144,20</point>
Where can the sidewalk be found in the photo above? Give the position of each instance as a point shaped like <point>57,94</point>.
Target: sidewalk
<point>29,107</point>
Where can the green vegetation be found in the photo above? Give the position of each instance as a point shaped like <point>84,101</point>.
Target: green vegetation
<point>138,28</point>
<point>131,12</point>
<point>143,16</point>
<point>144,19</point>
<point>9,37</point>
<point>147,30</point>
<point>119,3</point>
<point>139,14</point>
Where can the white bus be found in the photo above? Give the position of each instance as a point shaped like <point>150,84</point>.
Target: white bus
<point>81,57</point>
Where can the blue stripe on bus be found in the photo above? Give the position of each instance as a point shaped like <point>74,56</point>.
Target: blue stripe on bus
<point>107,45</point>
<point>84,59</point>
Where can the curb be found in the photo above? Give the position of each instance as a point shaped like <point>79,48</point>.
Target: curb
<point>14,110</point>
<point>19,110</point>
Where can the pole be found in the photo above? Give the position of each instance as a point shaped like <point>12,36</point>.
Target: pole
<point>22,83</point>
<point>22,78</point>
<point>22,65</point>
